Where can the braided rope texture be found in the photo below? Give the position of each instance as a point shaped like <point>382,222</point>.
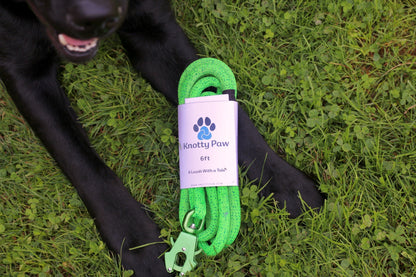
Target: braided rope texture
<point>216,208</point>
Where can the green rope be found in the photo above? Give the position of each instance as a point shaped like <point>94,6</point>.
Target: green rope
<point>215,209</point>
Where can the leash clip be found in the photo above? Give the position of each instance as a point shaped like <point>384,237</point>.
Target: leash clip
<point>192,228</point>
<point>185,244</point>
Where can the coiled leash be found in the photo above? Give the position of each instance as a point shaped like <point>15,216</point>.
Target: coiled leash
<point>210,216</point>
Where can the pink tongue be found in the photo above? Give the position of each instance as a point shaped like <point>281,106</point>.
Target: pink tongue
<point>77,42</point>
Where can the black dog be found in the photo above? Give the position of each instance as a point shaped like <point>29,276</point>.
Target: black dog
<point>36,32</point>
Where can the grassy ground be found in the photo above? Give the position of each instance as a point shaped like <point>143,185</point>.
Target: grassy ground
<point>331,86</point>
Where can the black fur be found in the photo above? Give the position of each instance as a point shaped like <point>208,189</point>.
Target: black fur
<point>159,49</point>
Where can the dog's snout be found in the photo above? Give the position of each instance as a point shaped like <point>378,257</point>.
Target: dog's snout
<point>94,18</point>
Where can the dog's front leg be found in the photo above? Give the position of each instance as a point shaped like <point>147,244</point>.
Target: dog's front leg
<point>159,50</point>
<point>156,45</point>
<point>283,180</point>
<point>121,221</point>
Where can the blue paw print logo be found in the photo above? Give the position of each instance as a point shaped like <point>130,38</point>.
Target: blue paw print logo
<point>204,128</point>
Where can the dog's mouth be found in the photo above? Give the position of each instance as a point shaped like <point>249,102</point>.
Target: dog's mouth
<point>76,31</point>
<point>77,46</point>
<point>74,49</point>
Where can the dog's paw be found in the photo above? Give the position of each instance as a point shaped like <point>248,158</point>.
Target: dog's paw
<point>145,261</point>
<point>291,188</point>
<point>141,249</point>
<point>130,233</point>
<point>138,246</point>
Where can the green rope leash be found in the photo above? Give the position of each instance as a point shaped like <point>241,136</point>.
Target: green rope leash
<point>212,213</point>
<point>200,75</point>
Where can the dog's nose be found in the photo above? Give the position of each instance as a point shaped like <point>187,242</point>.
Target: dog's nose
<point>93,18</point>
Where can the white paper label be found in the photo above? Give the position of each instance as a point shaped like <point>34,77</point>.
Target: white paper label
<point>208,142</point>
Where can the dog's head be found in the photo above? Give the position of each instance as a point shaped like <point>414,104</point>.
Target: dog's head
<point>75,26</point>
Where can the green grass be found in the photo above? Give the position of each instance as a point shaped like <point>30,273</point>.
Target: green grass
<point>330,85</point>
